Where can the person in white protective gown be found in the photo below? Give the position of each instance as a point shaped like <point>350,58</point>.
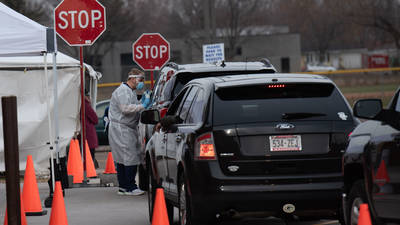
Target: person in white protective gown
<point>124,114</point>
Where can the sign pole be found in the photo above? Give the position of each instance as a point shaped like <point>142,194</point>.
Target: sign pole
<point>83,122</point>
<point>152,79</point>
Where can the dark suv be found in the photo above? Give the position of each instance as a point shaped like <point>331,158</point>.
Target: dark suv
<point>235,145</point>
<point>372,162</point>
<point>174,76</point>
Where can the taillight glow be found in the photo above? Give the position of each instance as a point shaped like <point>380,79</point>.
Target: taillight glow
<point>207,151</point>
<point>205,147</point>
<point>276,86</point>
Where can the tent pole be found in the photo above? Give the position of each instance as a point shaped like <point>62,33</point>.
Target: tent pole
<point>55,79</point>
<point>49,121</point>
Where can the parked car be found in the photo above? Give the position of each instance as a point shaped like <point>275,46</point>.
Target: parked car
<point>236,145</point>
<point>100,108</point>
<point>372,162</point>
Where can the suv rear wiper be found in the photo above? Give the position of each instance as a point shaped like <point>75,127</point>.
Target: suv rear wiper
<point>300,115</point>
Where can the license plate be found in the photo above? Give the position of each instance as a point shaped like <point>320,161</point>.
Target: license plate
<point>285,143</point>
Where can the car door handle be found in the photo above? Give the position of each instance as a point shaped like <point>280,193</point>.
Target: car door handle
<point>179,138</point>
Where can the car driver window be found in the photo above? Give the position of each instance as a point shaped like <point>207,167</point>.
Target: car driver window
<point>196,112</point>
<point>186,104</point>
<point>397,108</point>
<point>178,101</point>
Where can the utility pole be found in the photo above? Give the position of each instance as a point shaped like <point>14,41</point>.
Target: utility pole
<point>209,20</point>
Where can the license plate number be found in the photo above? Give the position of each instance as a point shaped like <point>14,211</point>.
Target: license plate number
<point>285,143</point>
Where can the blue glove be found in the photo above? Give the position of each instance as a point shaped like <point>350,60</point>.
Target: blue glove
<point>142,99</point>
<point>146,102</point>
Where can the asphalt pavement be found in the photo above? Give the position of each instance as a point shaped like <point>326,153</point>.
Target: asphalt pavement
<point>103,206</point>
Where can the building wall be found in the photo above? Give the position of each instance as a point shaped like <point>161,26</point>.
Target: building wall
<point>278,48</point>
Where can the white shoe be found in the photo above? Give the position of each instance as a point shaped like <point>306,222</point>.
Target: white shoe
<point>136,191</point>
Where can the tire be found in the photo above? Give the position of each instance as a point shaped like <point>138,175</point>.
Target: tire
<point>143,178</point>
<point>170,212</point>
<point>340,218</point>
<point>151,193</point>
<point>185,215</point>
<point>357,196</point>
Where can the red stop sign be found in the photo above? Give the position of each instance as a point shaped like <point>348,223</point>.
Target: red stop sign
<point>151,51</point>
<point>80,22</point>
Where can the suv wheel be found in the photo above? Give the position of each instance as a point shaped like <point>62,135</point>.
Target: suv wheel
<point>151,193</point>
<point>356,198</point>
<point>143,178</point>
<point>185,217</point>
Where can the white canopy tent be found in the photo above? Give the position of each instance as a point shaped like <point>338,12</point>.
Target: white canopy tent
<point>24,65</point>
<point>20,35</point>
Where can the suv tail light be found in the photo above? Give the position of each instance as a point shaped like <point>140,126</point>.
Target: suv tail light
<point>163,111</point>
<point>204,147</point>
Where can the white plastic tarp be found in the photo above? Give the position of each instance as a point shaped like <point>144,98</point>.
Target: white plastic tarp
<point>24,77</point>
<point>20,35</point>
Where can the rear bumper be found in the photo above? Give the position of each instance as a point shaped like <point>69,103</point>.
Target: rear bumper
<point>214,193</point>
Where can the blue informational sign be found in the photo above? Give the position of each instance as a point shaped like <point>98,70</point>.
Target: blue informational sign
<point>213,53</point>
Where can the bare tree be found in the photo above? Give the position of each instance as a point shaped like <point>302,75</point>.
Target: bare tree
<point>232,18</point>
<point>189,16</point>
<point>236,19</point>
<point>318,21</point>
<point>31,9</point>
<point>383,15</point>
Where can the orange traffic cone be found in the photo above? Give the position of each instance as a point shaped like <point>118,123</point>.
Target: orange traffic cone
<point>58,214</point>
<point>90,170</point>
<point>364,218</point>
<point>71,155</point>
<point>110,167</point>
<point>78,164</point>
<point>23,217</point>
<point>75,165</point>
<point>30,191</point>
<point>382,176</point>
<point>160,214</point>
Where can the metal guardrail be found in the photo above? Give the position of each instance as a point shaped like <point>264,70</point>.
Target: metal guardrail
<point>319,73</point>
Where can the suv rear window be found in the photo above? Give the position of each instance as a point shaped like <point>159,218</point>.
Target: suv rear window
<point>280,102</point>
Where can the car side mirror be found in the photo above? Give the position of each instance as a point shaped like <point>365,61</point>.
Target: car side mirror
<point>367,108</point>
<point>151,116</point>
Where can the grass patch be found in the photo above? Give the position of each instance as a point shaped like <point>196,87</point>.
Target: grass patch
<point>372,88</point>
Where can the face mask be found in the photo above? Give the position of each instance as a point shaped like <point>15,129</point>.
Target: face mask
<point>139,86</point>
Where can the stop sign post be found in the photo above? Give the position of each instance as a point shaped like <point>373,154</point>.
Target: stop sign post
<point>151,51</point>
<point>80,23</point>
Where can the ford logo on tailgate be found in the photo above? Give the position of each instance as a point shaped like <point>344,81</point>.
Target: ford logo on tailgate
<point>284,126</point>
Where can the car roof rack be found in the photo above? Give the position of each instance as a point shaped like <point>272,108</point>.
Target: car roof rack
<point>265,61</point>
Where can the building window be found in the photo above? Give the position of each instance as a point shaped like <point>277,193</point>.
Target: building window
<point>239,50</point>
<point>285,65</point>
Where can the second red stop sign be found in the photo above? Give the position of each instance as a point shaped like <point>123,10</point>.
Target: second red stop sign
<point>151,51</point>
